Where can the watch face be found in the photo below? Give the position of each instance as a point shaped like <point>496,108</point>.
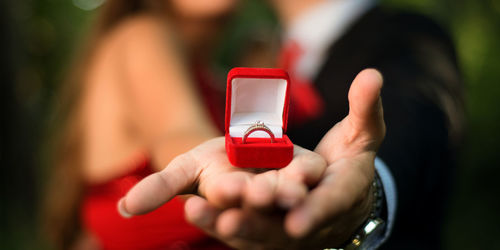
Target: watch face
<point>372,225</point>
<point>367,236</point>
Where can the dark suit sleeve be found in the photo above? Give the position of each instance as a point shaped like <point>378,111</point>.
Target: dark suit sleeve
<point>422,110</point>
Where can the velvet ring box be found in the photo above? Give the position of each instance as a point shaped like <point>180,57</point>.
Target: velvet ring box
<point>257,95</point>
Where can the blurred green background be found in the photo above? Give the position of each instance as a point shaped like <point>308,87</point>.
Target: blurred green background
<point>36,44</point>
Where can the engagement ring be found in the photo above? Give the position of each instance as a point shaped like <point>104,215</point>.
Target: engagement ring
<point>258,126</point>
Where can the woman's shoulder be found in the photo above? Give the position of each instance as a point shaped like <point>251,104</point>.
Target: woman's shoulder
<point>129,35</point>
<point>137,30</point>
<point>140,24</point>
<point>139,38</point>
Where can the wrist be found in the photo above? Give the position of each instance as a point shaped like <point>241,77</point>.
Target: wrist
<point>374,224</point>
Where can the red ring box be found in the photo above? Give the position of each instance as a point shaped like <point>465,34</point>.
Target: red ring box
<point>257,94</point>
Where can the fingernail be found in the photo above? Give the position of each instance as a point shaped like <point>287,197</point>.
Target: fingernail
<point>302,223</point>
<point>122,210</point>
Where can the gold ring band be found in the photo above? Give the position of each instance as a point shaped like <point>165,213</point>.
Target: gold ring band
<point>258,126</point>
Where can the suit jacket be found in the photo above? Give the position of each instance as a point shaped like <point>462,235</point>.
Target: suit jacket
<point>422,110</point>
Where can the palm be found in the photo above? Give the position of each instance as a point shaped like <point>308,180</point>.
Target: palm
<point>235,204</point>
<point>192,173</point>
<point>206,171</point>
<point>332,210</point>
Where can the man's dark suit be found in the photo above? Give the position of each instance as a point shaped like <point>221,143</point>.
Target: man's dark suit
<point>422,111</point>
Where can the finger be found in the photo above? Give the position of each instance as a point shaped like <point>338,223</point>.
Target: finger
<point>220,182</point>
<point>260,191</point>
<point>180,176</point>
<point>288,186</point>
<point>338,194</point>
<point>225,189</point>
<point>271,189</point>
<point>200,213</point>
<point>306,167</point>
<point>289,194</point>
<point>304,171</point>
<point>365,105</point>
<point>364,128</point>
<point>267,230</point>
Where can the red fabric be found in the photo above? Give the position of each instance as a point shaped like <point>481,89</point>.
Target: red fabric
<point>213,94</point>
<point>259,152</point>
<point>306,103</point>
<point>164,228</point>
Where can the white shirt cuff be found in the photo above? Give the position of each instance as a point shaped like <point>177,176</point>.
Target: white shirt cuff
<point>389,187</point>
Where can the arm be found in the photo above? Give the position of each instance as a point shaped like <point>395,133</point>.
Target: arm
<point>165,108</point>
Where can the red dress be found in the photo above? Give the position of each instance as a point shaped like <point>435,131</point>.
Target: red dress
<point>164,228</point>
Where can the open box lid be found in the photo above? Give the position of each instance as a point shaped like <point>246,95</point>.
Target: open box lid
<point>257,94</point>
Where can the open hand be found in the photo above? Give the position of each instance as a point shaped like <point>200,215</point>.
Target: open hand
<point>206,171</point>
<point>331,211</point>
<point>243,208</point>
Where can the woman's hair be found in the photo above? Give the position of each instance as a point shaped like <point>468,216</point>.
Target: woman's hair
<point>60,213</point>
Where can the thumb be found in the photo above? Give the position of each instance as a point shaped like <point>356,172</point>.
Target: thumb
<point>366,116</point>
<point>158,188</point>
<point>363,129</point>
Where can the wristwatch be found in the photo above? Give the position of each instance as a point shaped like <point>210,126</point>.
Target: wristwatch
<point>369,232</point>
<point>374,225</point>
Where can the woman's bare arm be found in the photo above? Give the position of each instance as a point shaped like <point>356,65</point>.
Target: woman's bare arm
<point>164,106</point>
